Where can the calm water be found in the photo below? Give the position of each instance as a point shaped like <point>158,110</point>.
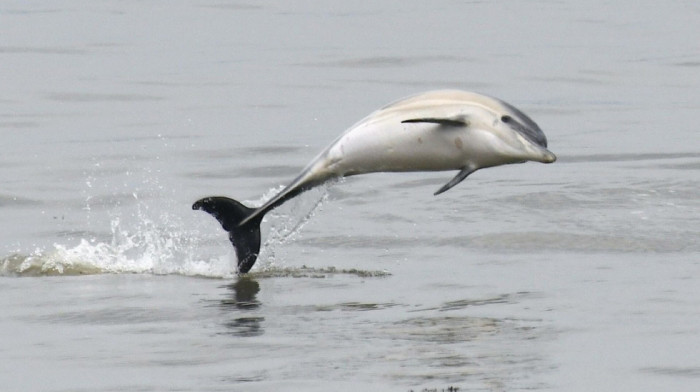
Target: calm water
<point>577,276</point>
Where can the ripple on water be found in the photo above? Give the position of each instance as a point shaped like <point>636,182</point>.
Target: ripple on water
<point>530,241</point>
<point>576,242</point>
<point>692,372</point>
<point>626,157</point>
<point>472,351</point>
<point>119,315</point>
<point>309,272</point>
<point>17,201</point>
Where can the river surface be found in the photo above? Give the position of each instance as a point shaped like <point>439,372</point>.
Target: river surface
<point>582,275</point>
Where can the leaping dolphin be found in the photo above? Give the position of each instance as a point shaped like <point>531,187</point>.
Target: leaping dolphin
<point>432,131</point>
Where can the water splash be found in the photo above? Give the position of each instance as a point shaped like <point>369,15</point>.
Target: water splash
<point>144,232</point>
<point>148,238</point>
<point>285,223</point>
<point>151,246</point>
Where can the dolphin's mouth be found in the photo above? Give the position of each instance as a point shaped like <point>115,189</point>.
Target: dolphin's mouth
<point>539,141</point>
<point>545,156</point>
<point>538,153</point>
<point>549,157</point>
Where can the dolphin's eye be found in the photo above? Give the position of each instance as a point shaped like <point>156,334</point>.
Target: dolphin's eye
<point>506,118</point>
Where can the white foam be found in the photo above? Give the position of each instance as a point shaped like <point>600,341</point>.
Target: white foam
<point>145,245</point>
<point>149,238</point>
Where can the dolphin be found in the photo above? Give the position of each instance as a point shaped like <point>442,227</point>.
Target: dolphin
<point>433,131</point>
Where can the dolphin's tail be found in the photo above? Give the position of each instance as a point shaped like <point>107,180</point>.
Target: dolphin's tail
<point>244,237</point>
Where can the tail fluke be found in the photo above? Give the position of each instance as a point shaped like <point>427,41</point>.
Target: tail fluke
<point>245,238</point>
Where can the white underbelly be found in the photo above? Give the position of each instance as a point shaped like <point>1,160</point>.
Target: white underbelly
<point>400,147</point>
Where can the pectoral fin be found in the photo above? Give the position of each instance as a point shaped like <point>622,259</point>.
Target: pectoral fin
<point>460,121</point>
<point>456,180</point>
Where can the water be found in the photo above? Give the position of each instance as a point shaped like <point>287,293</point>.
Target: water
<point>115,117</point>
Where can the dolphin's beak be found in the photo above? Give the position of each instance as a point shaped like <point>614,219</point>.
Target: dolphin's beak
<point>548,156</point>
<point>538,153</point>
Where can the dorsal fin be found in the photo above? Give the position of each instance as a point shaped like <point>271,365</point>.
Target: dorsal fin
<point>449,122</point>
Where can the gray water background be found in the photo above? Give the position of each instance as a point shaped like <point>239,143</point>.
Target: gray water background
<point>576,276</point>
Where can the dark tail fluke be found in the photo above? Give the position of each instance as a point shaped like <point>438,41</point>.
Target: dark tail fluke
<point>245,238</point>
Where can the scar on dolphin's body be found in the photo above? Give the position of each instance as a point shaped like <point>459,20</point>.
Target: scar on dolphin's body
<point>433,131</point>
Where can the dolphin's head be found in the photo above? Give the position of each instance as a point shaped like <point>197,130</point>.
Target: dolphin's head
<point>511,133</point>
<point>502,133</point>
